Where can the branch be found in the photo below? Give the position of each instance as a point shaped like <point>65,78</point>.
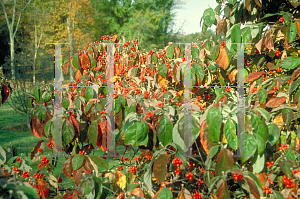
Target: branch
<point>4,10</point>
<point>20,16</point>
<point>13,17</point>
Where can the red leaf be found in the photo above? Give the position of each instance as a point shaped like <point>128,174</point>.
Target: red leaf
<point>297,23</point>
<point>77,175</point>
<point>222,59</point>
<point>75,124</point>
<point>68,168</point>
<point>37,127</point>
<point>84,61</point>
<point>160,167</point>
<point>203,141</point>
<point>224,162</point>
<point>222,26</point>
<point>295,74</point>
<point>275,102</point>
<point>102,133</point>
<point>254,76</point>
<point>4,93</point>
<point>222,191</point>
<point>252,187</point>
<point>77,75</point>
<point>42,188</point>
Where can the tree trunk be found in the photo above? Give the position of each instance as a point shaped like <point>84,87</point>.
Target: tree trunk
<point>12,56</point>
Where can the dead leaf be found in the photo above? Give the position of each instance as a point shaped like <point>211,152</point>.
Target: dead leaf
<point>160,168</point>
<point>65,67</point>
<point>77,75</point>
<point>269,42</point>
<point>253,76</point>
<point>258,45</point>
<point>232,75</point>
<point>258,2</point>
<point>297,23</point>
<point>121,179</point>
<point>222,26</point>
<point>275,102</point>
<point>84,61</point>
<point>278,120</point>
<point>222,59</point>
<point>295,74</point>
<point>262,178</point>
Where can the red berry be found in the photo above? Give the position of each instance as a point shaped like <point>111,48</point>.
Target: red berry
<point>281,19</point>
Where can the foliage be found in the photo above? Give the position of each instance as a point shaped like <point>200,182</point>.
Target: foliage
<point>149,98</point>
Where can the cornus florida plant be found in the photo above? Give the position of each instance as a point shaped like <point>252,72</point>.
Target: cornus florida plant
<point>150,117</point>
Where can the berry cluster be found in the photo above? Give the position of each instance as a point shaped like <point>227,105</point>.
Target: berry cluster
<point>283,147</point>
<point>223,43</point>
<point>25,174</point>
<point>237,176</point>
<point>120,168</point>
<point>190,175</point>
<point>132,169</point>
<point>38,175</point>
<point>287,181</point>
<point>201,170</point>
<point>19,159</point>
<point>15,169</point>
<point>270,164</point>
<point>227,89</point>
<point>278,53</point>
<point>275,88</point>
<point>82,152</point>
<point>163,185</point>
<point>281,19</point>
<point>148,156</point>
<point>196,195</point>
<point>278,70</point>
<point>200,181</point>
<point>296,171</point>
<point>267,190</point>
<point>177,162</point>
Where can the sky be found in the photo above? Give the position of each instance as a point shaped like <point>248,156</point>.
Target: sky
<point>191,13</point>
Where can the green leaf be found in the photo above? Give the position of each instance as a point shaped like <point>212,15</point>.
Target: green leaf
<point>137,134</point>
<point>235,36</point>
<point>260,127</point>
<point>163,69</point>
<point>165,193</point>
<point>75,61</point>
<point>246,35</point>
<point>154,58</point>
<point>77,161</point>
<point>277,194</point>
<point>65,103</point>
<point>291,33</point>
<point>46,96</point>
<point>86,184</point>
<point>195,52</point>
<point>47,128</point>
<point>262,95</point>
<point>294,85</point>
<point>68,132</point>
<point>214,53</point>
<point>214,121</point>
<point>170,51</point>
<point>209,17</point>
<point>230,133</point>
<point>290,62</point>
<point>93,133</point>
<point>274,134</point>
<point>193,130</point>
<point>290,155</point>
<point>287,115</point>
<point>164,130</point>
<point>261,144</point>
<point>37,92</point>
<point>285,166</point>
<point>98,186</point>
<point>100,162</point>
<point>213,151</point>
<point>89,93</point>
<point>258,162</point>
<point>40,111</point>
<point>250,146</point>
<point>224,162</point>
<point>232,2</point>
<point>122,100</point>
<point>29,191</point>
<point>199,71</point>
<point>265,114</point>
<point>213,182</point>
